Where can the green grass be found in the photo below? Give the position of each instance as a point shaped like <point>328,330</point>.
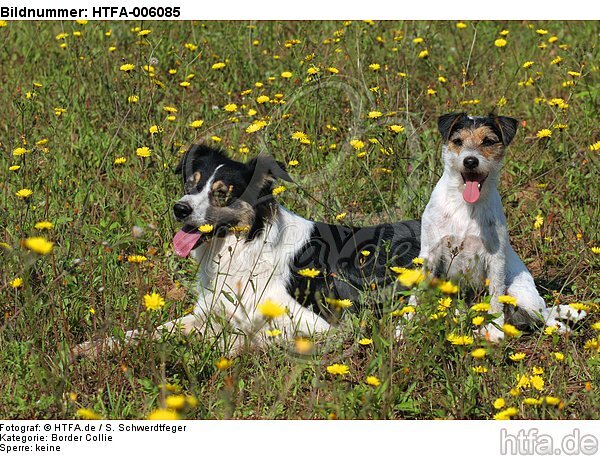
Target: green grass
<point>86,288</point>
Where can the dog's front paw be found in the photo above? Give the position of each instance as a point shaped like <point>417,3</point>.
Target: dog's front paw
<point>491,333</point>
<point>559,316</point>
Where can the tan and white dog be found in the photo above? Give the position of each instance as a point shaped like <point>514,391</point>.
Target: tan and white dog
<point>464,234</point>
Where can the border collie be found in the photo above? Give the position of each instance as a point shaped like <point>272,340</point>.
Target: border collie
<point>263,269</point>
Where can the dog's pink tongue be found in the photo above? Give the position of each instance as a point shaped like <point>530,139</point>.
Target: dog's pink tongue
<point>471,191</point>
<point>185,240</point>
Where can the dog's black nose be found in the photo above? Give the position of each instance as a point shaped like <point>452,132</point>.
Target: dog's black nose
<point>182,210</point>
<point>471,162</point>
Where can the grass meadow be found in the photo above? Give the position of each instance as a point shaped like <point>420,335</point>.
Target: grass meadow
<point>96,115</point>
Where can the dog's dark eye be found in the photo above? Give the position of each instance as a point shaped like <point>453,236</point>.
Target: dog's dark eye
<point>457,142</point>
<point>488,142</point>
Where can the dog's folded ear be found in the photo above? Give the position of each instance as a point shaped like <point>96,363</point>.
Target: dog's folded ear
<point>265,169</point>
<point>507,126</point>
<point>193,153</point>
<point>448,122</point>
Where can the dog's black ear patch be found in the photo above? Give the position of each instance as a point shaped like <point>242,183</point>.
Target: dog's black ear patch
<point>265,168</point>
<point>449,122</point>
<point>507,126</point>
<point>195,152</point>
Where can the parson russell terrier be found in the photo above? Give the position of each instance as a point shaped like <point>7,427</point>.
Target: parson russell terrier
<point>463,230</point>
<point>251,251</point>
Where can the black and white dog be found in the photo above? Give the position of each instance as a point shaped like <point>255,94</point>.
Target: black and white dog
<point>251,250</point>
<point>255,253</point>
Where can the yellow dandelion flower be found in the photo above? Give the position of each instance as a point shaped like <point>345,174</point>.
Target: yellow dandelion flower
<point>19,151</point>
<point>481,307</point>
<point>537,382</point>
<point>549,330</point>
<point>479,353</point>
<point>507,299</point>
<point>206,228</point>
<point>580,306</point>
<point>230,107</point>
<point>224,364</point>
<point>218,65</point>
<point>595,250</point>
<point>541,32</point>
<point>374,67</point>
<point>163,414</point>
<point>341,216</point>
<point>338,369</point>
<point>133,99</point>
<point>16,282</point>
<point>263,99</point>
<point>120,160</point>
<point>444,303</point>
<point>339,303</point>
<point>479,369</point>
<point>500,42</point>
<point>273,332</point>
<point>424,54</point>
<point>544,133</point>
<point>528,64</point>
<point>176,402</point>
<point>556,61</point>
<point>477,321</point>
<point>24,193</point>
<point>448,287</point>
<point>552,400</point>
<point>499,403</point>
<point>293,163</point>
<point>303,345</point>
<point>519,356</point>
<point>506,414</point>
<point>190,46</point>
<point>411,277</point>
<point>311,273</point>
<point>127,67</point>
<point>558,356</point>
<point>39,245</point>
<point>372,380</point>
<point>278,190</point>
<point>14,167</point>
<point>87,414</point>
<point>136,258</point>
<point>531,401</point>
<point>504,32</point>
<point>510,330</point>
<point>357,144</point>
<point>43,225</point>
<point>153,301</point>
<point>154,129</point>
<point>270,309</point>
<point>456,339</point>
<point>286,74</point>
<point>255,126</point>
<point>185,84</point>
<point>596,326</point>
<point>431,92</point>
<point>196,123</point>
<point>461,25</point>
<point>417,40</point>
<point>143,152</point>
<point>365,253</point>
<point>396,128</point>
<point>374,114</point>
<point>333,70</point>
<point>365,341</point>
